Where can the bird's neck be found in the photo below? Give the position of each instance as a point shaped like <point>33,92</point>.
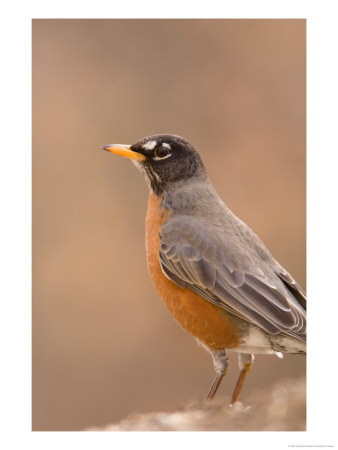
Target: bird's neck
<point>189,196</point>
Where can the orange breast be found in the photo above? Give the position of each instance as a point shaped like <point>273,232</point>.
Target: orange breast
<point>206,321</point>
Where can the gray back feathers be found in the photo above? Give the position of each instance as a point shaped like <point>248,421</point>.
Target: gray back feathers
<point>207,249</point>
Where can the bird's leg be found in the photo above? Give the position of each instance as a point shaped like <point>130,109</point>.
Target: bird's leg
<point>245,363</point>
<point>221,363</point>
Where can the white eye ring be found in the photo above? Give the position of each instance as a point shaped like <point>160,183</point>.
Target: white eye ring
<point>162,147</point>
<point>157,158</point>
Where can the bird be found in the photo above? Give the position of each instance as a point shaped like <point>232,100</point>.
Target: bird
<point>214,274</point>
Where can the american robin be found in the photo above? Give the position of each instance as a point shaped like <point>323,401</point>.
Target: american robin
<point>213,273</point>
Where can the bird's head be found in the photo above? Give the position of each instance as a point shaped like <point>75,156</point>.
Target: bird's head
<point>165,160</point>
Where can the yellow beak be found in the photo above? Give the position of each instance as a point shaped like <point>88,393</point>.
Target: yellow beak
<point>124,150</point>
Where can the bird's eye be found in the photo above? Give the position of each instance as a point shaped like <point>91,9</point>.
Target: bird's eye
<point>161,152</point>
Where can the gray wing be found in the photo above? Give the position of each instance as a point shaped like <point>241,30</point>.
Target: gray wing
<point>237,274</point>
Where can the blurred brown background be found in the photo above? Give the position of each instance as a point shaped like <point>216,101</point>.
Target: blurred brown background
<point>104,345</point>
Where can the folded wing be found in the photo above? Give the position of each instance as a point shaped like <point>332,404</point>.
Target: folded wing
<point>227,273</point>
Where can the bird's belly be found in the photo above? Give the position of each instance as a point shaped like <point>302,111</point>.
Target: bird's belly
<point>257,341</point>
<point>207,322</point>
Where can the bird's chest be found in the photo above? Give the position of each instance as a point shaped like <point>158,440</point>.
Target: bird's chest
<point>207,322</point>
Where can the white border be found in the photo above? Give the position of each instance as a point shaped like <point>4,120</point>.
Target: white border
<point>16,219</point>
